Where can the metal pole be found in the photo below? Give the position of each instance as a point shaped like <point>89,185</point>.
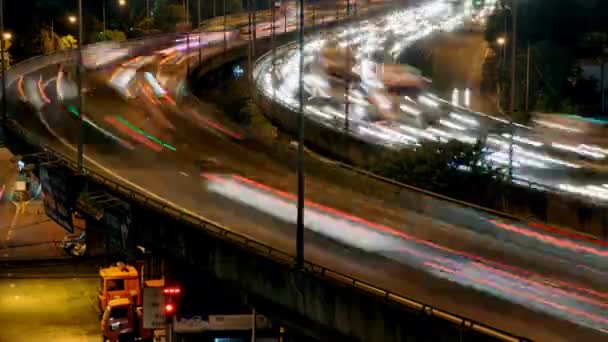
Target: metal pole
<point>198,18</point>
<point>3,61</point>
<point>249,42</point>
<point>200,51</point>
<point>513,85</point>
<point>285,10</point>
<point>80,151</point>
<point>300,219</point>
<point>224,11</point>
<point>255,34</point>
<point>103,11</point>
<point>253,322</point>
<point>528,79</point>
<point>147,9</point>
<point>200,56</point>
<point>214,8</point>
<point>170,334</point>
<point>602,84</point>
<point>53,34</point>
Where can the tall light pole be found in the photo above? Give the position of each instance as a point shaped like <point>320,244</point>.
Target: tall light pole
<point>80,151</point>
<point>224,12</point>
<point>253,10</point>
<point>103,15</point>
<point>300,163</point>
<point>513,85</point>
<point>3,61</point>
<point>198,15</point>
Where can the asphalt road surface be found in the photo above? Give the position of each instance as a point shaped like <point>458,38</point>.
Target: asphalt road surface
<point>507,274</point>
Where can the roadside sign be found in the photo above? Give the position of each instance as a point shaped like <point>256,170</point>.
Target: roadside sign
<point>20,186</point>
<point>236,322</point>
<point>194,324</point>
<point>57,197</point>
<point>153,304</point>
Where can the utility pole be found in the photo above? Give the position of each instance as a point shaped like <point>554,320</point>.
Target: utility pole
<point>253,325</point>
<point>602,84</point>
<point>253,18</point>
<point>249,42</point>
<point>3,61</point>
<point>53,33</point>
<point>300,219</point>
<point>527,98</point>
<point>200,53</point>
<point>187,11</point>
<point>513,85</point>
<point>103,14</point>
<point>80,151</point>
<point>224,11</point>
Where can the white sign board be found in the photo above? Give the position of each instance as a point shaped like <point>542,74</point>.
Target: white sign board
<point>236,322</point>
<point>194,324</point>
<point>21,186</point>
<point>153,306</point>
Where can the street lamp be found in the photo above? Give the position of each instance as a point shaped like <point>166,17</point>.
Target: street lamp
<point>72,19</point>
<point>2,61</point>
<point>122,2</point>
<point>7,36</point>
<point>501,41</point>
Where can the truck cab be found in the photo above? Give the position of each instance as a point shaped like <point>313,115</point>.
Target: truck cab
<point>119,281</point>
<point>122,322</point>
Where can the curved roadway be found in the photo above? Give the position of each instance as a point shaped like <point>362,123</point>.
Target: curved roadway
<point>163,141</point>
<point>548,154</point>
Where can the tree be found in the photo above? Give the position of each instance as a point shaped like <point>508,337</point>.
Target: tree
<point>167,15</point>
<point>114,35</point>
<point>7,55</point>
<point>68,42</point>
<point>49,41</point>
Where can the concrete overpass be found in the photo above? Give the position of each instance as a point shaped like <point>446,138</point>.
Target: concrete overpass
<point>330,299</point>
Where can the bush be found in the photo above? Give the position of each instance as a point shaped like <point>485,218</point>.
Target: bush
<point>454,169</point>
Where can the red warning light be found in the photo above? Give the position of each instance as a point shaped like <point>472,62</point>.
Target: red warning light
<point>172,290</point>
<point>169,308</point>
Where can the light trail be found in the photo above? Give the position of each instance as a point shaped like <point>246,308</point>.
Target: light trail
<point>490,276</point>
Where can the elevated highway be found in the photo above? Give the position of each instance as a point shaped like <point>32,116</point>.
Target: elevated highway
<point>161,142</point>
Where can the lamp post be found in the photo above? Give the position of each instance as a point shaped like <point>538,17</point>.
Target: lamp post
<point>224,12</point>
<point>80,151</point>
<point>513,85</point>
<point>3,61</point>
<point>300,218</point>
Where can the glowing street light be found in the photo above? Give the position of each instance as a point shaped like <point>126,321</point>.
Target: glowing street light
<point>72,19</point>
<point>122,2</point>
<point>501,40</point>
<point>7,36</point>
